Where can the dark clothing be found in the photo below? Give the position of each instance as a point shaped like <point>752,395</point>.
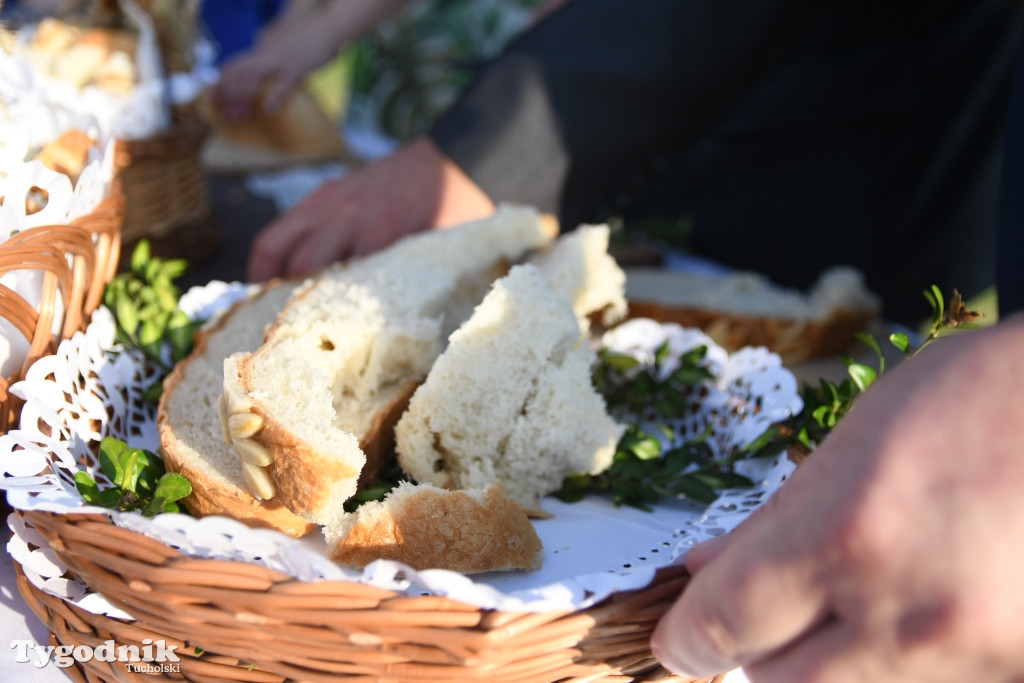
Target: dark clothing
<point>796,134</point>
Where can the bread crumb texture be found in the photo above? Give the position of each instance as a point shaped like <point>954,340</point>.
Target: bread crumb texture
<point>510,399</point>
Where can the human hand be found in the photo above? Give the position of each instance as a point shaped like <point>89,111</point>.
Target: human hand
<point>893,553</point>
<point>286,51</point>
<point>414,189</point>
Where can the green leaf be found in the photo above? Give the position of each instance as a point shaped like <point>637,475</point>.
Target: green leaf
<point>695,489</point>
<point>619,361</point>
<point>862,375</point>
<point>152,271</point>
<point>174,268</point>
<point>769,435</point>
<point>154,391</point>
<point>127,316</point>
<point>678,459</point>
<point>179,333</point>
<point>694,355</point>
<point>112,450</point>
<point>645,448</point>
<point>168,298</point>
<point>86,486</point>
<point>130,470</point>
<point>154,507</point>
<point>872,343</point>
<point>934,297</point>
<point>173,487</point>
<point>110,498</point>
<point>140,256</point>
<point>661,354</point>
<point>724,480</point>
<point>821,414</point>
<point>900,340</point>
<point>151,333</point>
<point>689,375</point>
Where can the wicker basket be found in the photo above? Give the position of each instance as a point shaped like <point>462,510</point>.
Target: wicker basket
<point>93,243</point>
<point>165,187</point>
<point>232,621</point>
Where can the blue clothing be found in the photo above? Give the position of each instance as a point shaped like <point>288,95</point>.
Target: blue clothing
<point>234,25</point>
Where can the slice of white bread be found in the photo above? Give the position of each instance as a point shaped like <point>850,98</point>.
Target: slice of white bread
<point>191,437</point>
<point>578,266</point>
<point>314,405</point>
<point>746,309</point>
<point>427,527</point>
<point>510,399</point>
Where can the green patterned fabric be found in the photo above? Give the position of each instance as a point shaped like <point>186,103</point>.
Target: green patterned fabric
<point>415,64</point>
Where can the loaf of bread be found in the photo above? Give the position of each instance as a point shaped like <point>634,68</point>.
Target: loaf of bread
<point>510,399</point>
<point>426,527</point>
<point>746,309</point>
<point>313,407</point>
<point>85,56</point>
<point>191,437</point>
<point>578,266</point>
<point>299,133</point>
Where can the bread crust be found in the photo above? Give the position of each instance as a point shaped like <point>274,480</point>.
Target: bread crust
<point>427,527</point>
<point>795,341</point>
<point>303,478</point>
<point>210,497</point>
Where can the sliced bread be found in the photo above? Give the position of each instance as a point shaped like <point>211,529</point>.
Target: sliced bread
<point>510,399</point>
<point>313,406</point>
<point>746,309</point>
<point>191,437</point>
<point>427,527</point>
<point>578,266</point>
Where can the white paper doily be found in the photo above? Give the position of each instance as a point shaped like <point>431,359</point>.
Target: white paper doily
<point>592,548</point>
<point>64,203</point>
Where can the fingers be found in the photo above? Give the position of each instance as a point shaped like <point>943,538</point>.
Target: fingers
<point>240,83</point>
<point>318,248</point>
<point>754,592</point>
<point>277,93</point>
<point>740,609</point>
<point>701,555</point>
<point>272,249</point>
<point>838,652</point>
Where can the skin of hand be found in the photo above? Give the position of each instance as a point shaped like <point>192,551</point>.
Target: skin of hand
<point>306,36</point>
<point>894,551</point>
<point>415,188</point>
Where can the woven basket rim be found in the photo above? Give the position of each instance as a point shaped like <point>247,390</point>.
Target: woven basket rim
<point>286,628</point>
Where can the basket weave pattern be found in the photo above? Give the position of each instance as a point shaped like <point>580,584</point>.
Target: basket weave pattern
<point>165,185</point>
<point>77,261</point>
<point>257,624</point>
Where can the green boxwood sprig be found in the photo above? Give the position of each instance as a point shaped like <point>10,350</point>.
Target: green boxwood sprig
<point>138,481</point>
<point>144,301</point>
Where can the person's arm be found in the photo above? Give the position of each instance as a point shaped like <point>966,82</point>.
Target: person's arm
<point>304,37</point>
<point>571,111</point>
<point>893,552</point>
<point>579,109</point>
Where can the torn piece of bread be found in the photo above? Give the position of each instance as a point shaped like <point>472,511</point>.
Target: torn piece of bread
<point>343,356</point>
<point>426,527</point>
<point>746,309</point>
<point>68,154</point>
<point>510,399</point>
<point>191,437</point>
<point>578,266</point>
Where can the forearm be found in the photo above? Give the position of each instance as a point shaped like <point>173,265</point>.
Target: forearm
<point>352,19</point>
